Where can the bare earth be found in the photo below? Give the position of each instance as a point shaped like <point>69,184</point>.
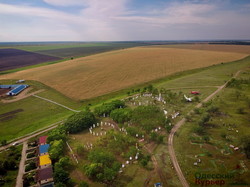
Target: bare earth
<point>100,74</point>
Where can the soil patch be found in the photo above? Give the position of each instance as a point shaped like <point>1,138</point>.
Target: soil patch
<point>3,92</point>
<point>9,115</point>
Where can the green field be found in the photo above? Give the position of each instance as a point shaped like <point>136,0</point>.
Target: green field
<point>36,113</point>
<point>217,156</point>
<point>43,47</point>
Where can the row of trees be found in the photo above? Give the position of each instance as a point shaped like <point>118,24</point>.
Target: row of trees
<point>9,162</point>
<point>107,108</point>
<point>57,138</point>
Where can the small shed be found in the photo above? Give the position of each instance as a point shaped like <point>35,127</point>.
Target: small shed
<point>42,140</point>
<point>44,175</point>
<point>44,161</point>
<point>44,149</point>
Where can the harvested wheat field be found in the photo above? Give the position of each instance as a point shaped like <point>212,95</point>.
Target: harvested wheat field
<point>244,49</point>
<point>100,74</point>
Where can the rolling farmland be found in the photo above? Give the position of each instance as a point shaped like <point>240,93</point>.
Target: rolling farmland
<point>244,49</point>
<point>15,58</point>
<point>100,74</point>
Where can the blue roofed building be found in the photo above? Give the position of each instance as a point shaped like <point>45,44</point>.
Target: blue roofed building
<point>15,89</point>
<point>43,149</point>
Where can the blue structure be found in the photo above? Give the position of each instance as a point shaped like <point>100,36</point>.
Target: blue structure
<point>16,88</point>
<point>43,149</point>
<point>158,184</point>
<point>9,86</point>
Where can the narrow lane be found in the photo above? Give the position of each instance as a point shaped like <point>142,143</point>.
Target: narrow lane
<point>19,180</point>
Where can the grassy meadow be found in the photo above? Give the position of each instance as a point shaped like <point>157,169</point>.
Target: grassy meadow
<point>224,130</point>
<point>34,113</point>
<point>100,74</point>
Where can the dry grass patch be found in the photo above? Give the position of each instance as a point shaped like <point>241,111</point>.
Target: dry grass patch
<point>244,49</point>
<point>100,74</point>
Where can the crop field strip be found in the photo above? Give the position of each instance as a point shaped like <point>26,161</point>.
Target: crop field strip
<point>15,58</point>
<point>245,49</point>
<point>104,73</point>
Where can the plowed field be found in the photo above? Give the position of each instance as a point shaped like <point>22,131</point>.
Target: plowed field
<point>15,58</point>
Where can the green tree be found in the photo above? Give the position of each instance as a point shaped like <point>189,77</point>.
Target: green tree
<point>64,162</point>
<point>56,150</point>
<point>107,108</point>
<point>121,115</point>
<point>56,134</point>
<point>60,175</point>
<point>79,121</point>
<point>103,166</point>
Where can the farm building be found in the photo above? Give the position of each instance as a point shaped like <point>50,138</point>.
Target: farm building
<point>43,149</point>
<point>45,175</point>
<point>44,161</point>
<point>16,90</point>
<point>20,81</point>
<point>42,140</point>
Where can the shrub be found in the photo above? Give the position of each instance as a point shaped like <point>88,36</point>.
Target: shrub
<point>83,184</point>
<point>199,130</point>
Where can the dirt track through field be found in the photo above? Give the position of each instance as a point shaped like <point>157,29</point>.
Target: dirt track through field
<point>48,100</point>
<point>96,75</point>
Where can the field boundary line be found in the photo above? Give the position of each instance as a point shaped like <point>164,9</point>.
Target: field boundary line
<point>56,103</point>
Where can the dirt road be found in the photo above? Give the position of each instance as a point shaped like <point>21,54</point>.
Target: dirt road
<point>19,180</point>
